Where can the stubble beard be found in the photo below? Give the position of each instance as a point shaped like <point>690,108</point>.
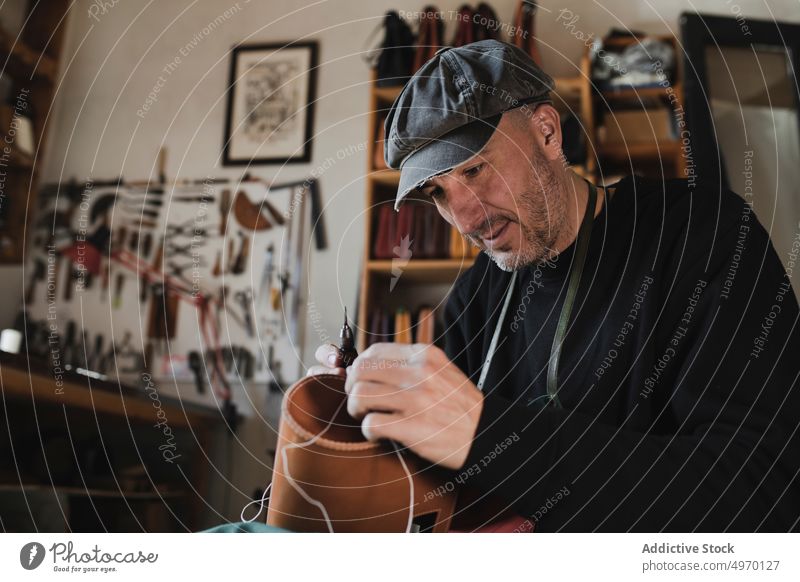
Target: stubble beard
<point>543,217</point>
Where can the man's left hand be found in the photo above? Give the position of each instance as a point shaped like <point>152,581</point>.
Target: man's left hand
<point>414,395</point>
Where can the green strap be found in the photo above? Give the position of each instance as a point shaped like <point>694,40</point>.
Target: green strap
<point>581,249</point>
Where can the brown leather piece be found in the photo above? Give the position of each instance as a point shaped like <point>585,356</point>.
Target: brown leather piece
<point>361,484</point>
<point>248,214</point>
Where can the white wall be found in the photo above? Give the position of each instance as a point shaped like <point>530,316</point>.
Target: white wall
<point>112,62</point>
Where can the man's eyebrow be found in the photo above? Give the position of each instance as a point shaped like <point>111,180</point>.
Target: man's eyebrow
<point>478,158</point>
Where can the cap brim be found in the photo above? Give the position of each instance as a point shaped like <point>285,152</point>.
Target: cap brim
<point>444,154</point>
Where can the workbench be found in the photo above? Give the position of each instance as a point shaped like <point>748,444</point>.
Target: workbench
<point>120,457</point>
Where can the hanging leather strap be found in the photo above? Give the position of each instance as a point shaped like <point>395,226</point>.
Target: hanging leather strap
<point>579,260</point>
<point>486,25</point>
<point>429,37</point>
<point>575,273</point>
<point>496,335</point>
<point>464,28</point>
<point>524,25</point>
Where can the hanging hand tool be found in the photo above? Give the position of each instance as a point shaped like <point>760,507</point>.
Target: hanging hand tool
<point>265,287</point>
<point>245,299</point>
<point>147,245</point>
<point>187,228</point>
<point>190,199</point>
<point>69,352</point>
<point>119,282</point>
<point>276,216</point>
<point>249,215</point>
<point>39,273</point>
<point>317,218</point>
<point>283,274</point>
<point>118,239</point>
<point>196,366</point>
<point>297,274</point>
<point>222,305</point>
<point>275,381</point>
<point>70,278</point>
<point>162,165</point>
<point>133,244</point>
<point>141,224</point>
<point>150,197</point>
<point>94,360</point>
<point>240,264</point>
<point>244,362</point>
<point>231,255</point>
<point>224,209</point>
<point>217,270</point>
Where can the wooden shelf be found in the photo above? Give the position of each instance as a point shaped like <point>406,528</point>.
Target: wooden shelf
<point>633,94</point>
<point>614,158</point>
<point>425,275</point>
<point>667,150</point>
<point>423,270</point>
<point>30,380</point>
<point>27,383</point>
<point>24,62</point>
<point>19,160</point>
<point>385,177</point>
<point>30,58</point>
<point>90,492</point>
<point>386,94</point>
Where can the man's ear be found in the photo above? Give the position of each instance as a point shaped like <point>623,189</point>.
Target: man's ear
<point>546,126</point>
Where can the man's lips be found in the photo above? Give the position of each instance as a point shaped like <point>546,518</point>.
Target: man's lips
<point>497,231</point>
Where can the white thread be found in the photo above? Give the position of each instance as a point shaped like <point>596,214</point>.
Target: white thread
<point>317,503</point>
<point>293,483</point>
<point>264,498</point>
<point>410,488</point>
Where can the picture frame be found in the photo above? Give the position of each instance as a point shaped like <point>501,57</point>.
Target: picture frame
<point>270,105</point>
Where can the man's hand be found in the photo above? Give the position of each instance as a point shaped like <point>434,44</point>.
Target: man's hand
<point>415,395</point>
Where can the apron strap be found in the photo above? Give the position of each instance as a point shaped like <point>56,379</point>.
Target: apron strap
<point>581,250</point>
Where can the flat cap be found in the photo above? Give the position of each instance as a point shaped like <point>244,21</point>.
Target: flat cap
<point>451,106</point>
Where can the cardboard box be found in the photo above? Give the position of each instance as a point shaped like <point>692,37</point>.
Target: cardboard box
<point>634,126</point>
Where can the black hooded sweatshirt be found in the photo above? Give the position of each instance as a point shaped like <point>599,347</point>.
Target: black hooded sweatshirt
<point>678,376</point>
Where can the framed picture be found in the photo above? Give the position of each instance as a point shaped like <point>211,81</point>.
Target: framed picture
<point>270,104</point>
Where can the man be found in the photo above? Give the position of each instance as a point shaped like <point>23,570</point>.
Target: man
<point>638,364</point>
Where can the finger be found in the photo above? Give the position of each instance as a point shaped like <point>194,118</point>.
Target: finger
<point>392,350</point>
<point>326,355</point>
<point>366,397</point>
<point>316,370</point>
<point>391,370</point>
<point>382,425</point>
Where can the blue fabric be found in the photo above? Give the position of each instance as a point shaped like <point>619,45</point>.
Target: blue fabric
<point>245,527</point>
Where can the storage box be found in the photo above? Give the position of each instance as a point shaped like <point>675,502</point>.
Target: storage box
<point>634,126</point>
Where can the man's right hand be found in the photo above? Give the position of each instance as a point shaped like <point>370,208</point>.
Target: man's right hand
<point>326,356</point>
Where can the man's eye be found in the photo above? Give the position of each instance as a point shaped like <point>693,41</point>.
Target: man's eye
<point>436,193</point>
<point>473,170</point>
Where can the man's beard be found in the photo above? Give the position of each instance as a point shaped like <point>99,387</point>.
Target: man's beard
<point>543,217</point>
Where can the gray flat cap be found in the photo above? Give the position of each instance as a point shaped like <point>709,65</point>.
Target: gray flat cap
<point>450,108</point>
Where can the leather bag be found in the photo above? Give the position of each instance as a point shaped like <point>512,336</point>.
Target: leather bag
<point>362,485</point>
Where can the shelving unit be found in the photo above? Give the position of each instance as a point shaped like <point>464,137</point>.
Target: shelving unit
<point>416,275</point>
<point>31,60</point>
<point>420,281</point>
<point>141,490</point>
<point>652,155</point>
<point>427,281</point>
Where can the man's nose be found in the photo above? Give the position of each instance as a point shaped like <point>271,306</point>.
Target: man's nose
<point>467,210</point>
